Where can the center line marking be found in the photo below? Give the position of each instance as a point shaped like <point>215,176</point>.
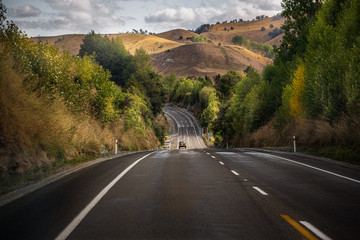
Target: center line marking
<point>76,221</point>
<point>234,172</point>
<point>212,156</point>
<point>260,191</point>
<point>221,163</point>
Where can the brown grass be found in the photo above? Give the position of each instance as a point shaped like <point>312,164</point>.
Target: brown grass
<point>36,131</point>
<point>309,133</point>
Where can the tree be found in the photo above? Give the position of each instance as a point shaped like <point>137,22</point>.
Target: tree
<point>225,84</point>
<point>299,15</point>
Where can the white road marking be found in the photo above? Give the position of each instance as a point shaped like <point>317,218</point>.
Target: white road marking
<point>208,153</point>
<point>315,230</point>
<point>235,173</point>
<point>76,221</point>
<point>221,163</point>
<point>306,165</point>
<point>213,157</point>
<point>260,191</point>
<point>225,153</point>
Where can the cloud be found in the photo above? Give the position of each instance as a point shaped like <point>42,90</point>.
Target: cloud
<point>213,11</point>
<point>24,11</point>
<point>78,16</point>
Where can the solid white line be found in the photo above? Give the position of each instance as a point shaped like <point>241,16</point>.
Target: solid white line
<point>309,166</point>
<point>76,221</point>
<point>213,157</point>
<point>234,172</point>
<point>260,191</point>
<point>315,230</point>
<point>221,163</point>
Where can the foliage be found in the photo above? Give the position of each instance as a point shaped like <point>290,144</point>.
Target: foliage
<point>276,32</point>
<point>224,85</point>
<point>299,15</point>
<point>199,38</point>
<point>57,107</point>
<point>253,45</point>
<point>332,81</point>
<point>203,28</point>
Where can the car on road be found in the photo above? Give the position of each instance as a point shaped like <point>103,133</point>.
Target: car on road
<point>182,144</point>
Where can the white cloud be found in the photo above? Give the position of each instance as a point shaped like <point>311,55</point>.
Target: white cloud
<point>24,11</point>
<point>211,12</point>
<point>78,16</point>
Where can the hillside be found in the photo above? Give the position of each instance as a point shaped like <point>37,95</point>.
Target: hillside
<point>178,35</point>
<point>224,32</point>
<point>201,59</point>
<point>172,51</point>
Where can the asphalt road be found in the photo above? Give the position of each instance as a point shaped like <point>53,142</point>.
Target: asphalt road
<point>194,193</point>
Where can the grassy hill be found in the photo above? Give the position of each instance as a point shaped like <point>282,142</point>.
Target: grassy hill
<point>173,51</point>
<point>224,32</point>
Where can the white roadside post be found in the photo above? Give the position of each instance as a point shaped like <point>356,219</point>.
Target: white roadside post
<point>294,138</point>
<point>116,147</point>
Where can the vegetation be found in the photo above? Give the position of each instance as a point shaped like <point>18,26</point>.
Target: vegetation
<point>312,90</point>
<point>60,109</point>
<point>199,38</point>
<point>267,50</point>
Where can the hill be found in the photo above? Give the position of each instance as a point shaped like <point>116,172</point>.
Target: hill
<point>201,59</point>
<point>178,35</point>
<point>173,51</point>
<point>224,32</point>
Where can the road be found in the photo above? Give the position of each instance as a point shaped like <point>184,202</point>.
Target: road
<point>184,128</point>
<point>194,193</point>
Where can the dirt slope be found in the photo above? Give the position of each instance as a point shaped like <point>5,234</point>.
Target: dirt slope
<point>151,43</point>
<point>206,59</point>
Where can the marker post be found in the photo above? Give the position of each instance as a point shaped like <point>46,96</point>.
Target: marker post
<point>116,146</point>
<point>294,139</point>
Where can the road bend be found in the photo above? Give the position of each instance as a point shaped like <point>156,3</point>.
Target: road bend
<point>193,193</point>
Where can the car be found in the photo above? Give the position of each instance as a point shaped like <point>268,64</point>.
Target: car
<point>182,144</point>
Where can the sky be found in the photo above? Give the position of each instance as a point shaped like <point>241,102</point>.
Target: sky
<point>57,17</point>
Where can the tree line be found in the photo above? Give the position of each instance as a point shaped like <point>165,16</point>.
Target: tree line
<point>312,90</point>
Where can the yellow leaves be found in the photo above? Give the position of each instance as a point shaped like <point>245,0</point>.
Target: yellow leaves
<point>298,85</point>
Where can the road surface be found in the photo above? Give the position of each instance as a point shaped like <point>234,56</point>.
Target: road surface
<point>194,193</point>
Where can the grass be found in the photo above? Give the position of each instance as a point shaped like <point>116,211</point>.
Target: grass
<point>344,154</point>
<point>12,182</point>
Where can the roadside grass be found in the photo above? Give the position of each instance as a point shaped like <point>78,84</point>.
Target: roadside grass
<point>11,182</point>
<point>339,153</point>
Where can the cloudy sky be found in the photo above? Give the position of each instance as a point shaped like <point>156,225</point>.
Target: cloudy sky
<point>56,17</point>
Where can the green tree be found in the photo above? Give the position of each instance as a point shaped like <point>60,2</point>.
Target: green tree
<point>225,84</point>
<point>299,16</point>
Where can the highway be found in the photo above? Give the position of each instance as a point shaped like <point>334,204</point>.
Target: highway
<point>193,193</point>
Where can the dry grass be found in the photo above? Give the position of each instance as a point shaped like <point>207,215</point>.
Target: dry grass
<point>36,131</point>
<point>339,140</point>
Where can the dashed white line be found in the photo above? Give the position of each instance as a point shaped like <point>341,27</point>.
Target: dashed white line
<point>213,157</point>
<point>260,191</point>
<point>208,153</point>
<point>315,230</point>
<point>235,173</point>
<point>221,163</point>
